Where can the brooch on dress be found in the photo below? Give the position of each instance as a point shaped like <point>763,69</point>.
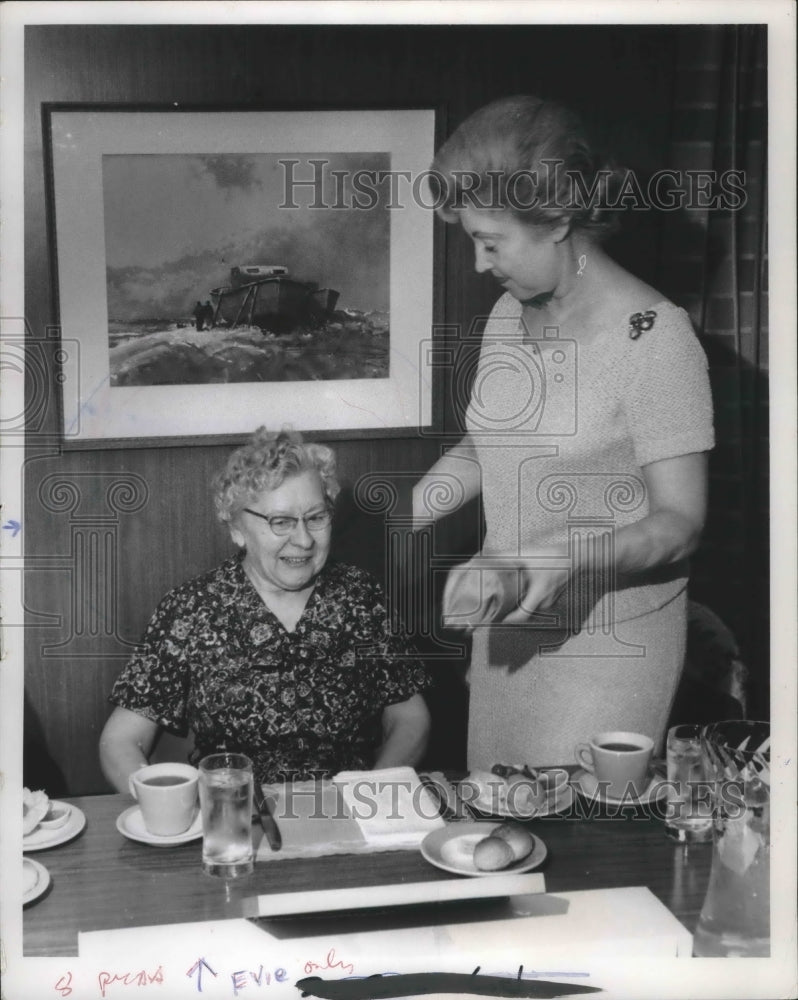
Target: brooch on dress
<point>640,322</point>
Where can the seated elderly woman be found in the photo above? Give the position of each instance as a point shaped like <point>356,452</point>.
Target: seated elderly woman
<point>275,653</point>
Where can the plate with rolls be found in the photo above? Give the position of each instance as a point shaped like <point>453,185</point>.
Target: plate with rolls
<point>515,791</point>
<point>482,848</point>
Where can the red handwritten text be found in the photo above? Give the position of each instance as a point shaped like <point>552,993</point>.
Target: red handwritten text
<point>142,978</point>
<point>64,985</point>
<point>331,963</point>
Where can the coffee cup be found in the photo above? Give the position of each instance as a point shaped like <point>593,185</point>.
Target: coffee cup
<point>619,761</point>
<point>167,796</point>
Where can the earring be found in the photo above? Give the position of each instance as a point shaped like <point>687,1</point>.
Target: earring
<point>582,262</point>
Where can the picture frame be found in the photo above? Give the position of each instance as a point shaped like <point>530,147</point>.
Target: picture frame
<point>305,236</point>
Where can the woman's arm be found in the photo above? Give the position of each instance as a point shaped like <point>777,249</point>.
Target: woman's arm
<point>677,498</point>
<point>677,501</point>
<point>451,482</point>
<point>125,745</point>
<point>405,729</point>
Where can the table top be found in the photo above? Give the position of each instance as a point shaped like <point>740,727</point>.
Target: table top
<point>103,881</point>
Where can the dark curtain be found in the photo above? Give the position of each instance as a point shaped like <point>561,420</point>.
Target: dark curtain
<point>717,258</point>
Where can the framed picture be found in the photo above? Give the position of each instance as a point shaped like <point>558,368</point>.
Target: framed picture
<point>215,270</point>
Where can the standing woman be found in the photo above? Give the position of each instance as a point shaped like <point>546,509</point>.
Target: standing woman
<point>587,433</point>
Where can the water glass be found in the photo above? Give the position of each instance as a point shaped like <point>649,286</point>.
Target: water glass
<point>688,814</point>
<point>225,787</point>
<point>735,917</point>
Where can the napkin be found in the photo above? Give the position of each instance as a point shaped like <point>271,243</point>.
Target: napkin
<point>391,807</point>
<point>312,822</point>
<point>477,593</point>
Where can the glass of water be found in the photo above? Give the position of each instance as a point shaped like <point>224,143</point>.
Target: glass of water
<point>688,814</point>
<point>225,791</point>
<point>735,917</point>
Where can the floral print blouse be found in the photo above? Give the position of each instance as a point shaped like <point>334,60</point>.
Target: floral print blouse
<point>301,704</point>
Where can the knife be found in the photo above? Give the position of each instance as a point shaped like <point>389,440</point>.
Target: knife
<point>270,828</point>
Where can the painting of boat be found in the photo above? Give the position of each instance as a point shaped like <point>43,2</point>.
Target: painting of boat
<point>263,325</point>
<point>267,297</point>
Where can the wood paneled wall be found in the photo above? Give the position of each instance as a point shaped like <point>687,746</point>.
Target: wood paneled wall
<point>98,563</point>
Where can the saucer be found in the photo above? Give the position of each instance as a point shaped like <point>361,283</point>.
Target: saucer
<point>130,824</point>
<point>40,838</point>
<point>452,850</point>
<point>35,880</point>
<point>587,785</point>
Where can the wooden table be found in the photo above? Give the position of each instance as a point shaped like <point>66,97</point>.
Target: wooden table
<point>102,881</point>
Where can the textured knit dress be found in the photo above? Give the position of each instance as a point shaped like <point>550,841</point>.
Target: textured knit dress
<point>562,430</point>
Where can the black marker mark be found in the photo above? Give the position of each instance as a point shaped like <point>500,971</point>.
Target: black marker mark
<point>418,984</point>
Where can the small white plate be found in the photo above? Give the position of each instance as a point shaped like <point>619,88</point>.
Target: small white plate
<point>130,824</point>
<point>489,807</point>
<point>587,785</point>
<point>452,850</point>
<point>35,880</point>
<point>40,838</point>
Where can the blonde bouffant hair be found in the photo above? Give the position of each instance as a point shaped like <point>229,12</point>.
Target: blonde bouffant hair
<point>531,157</point>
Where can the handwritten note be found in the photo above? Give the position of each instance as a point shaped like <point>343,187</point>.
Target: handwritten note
<point>239,978</point>
<point>213,976</point>
<point>240,959</point>
<point>140,978</point>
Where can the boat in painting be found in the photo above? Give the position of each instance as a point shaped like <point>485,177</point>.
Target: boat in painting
<point>266,296</point>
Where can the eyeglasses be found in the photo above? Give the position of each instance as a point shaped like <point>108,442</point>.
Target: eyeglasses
<point>284,524</point>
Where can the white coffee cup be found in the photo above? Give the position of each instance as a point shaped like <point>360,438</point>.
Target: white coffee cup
<point>619,760</point>
<point>167,796</point>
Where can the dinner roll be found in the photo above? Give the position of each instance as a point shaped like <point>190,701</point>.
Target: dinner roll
<point>518,839</point>
<point>493,853</point>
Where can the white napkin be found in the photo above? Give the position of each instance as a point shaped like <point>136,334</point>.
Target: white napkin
<point>390,806</point>
<point>477,593</point>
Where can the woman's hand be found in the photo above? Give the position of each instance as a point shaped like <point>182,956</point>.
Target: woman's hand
<point>543,578</point>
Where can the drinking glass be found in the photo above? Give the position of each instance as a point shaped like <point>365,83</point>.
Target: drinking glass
<point>225,786</point>
<point>688,815</point>
<point>735,918</point>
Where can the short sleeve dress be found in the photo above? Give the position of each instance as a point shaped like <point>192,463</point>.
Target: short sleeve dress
<point>562,431</point>
<point>303,704</point>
